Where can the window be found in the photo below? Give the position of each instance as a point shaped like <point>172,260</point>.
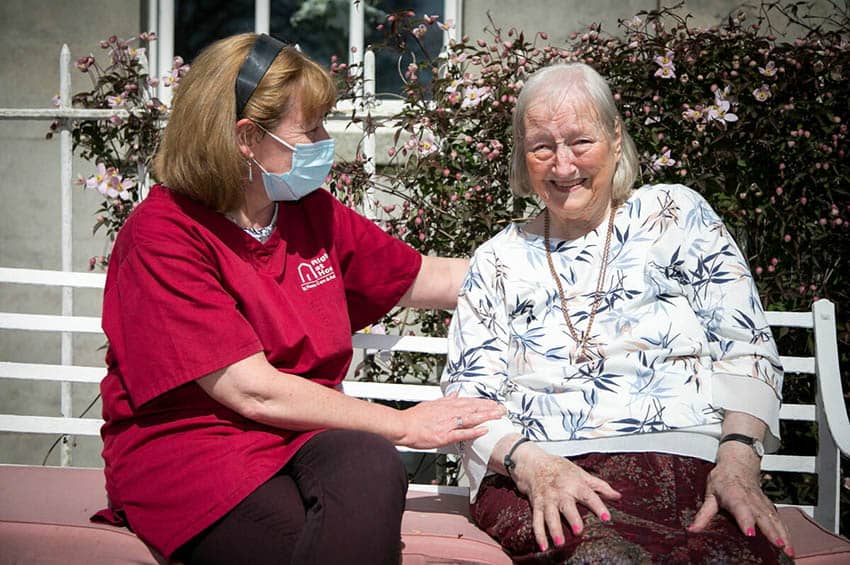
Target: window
<point>322,28</point>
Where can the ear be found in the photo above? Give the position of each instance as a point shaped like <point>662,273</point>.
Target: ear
<point>247,136</point>
<point>618,138</point>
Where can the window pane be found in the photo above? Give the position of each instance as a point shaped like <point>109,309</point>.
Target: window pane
<point>389,68</point>
<point>320,27</point>
<point>197,23</point>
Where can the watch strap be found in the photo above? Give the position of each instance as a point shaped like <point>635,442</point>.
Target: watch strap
<point>741,438</point>
<point>508,461</point>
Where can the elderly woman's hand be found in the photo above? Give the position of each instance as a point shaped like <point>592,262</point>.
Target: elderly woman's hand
<point>734,484</point>
<point>554,487</point>
<point>447,420</point>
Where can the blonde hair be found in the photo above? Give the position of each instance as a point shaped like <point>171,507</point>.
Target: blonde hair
<point>553,81</point>
<point>199,152</point>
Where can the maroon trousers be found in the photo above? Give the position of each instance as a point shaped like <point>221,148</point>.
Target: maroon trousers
<point>661,495</point>
<point>339,500</point>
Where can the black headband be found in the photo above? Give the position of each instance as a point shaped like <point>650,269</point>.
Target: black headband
<point>254,68</point>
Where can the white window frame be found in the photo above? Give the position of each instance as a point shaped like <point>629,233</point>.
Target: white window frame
<point>161,20</point>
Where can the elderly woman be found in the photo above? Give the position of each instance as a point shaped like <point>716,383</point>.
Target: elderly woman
<point>230,300</point>
<point>622,331</point>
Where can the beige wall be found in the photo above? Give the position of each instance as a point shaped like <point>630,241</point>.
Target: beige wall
<point>32,33</point>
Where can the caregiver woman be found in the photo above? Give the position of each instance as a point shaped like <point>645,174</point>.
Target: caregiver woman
<point>230,300</point>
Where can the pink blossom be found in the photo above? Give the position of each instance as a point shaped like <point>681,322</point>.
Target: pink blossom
<point>665,60</point>
<point>419,31</point>
<point>447,25</point>
<point>769,69</point>
<point>115,101</point>
<point>83,63</point>
<point>634,23</point>
<point>762,93</point>
<point>136,53</point>
<point>122,187</point>
<point>473,96</point>
<point>720,112</point>
<point>666,72</point>
<point>664,160</point>
<point>101,179</point>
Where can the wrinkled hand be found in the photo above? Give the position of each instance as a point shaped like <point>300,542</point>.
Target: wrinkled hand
<point>734,485</point>
<point>554,487</point>
<point>435,423</point>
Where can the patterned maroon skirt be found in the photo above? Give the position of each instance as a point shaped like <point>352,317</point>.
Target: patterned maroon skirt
<point>661,496</point>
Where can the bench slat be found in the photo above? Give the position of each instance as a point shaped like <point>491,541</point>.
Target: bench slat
<point>52,278</point>
<point>50,425</point>
<point>388,391</point>
<point>790,319</point>
<point>56,373</point>
<point>803,412</point>
<point>798,364</point>
<point>421,344</point>
<point>50,323</point>
<point>789,463</point>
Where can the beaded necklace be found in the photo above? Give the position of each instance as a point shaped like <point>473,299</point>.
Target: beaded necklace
<point>260,234</point>
<point>580,355</point>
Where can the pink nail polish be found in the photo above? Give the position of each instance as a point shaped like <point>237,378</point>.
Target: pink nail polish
<point>789,551</point>
<point>751,533</point>
<point>605,517</point>
<point>542,547</point>
<point>780,542</point>
<point>559,541</point>
<point>576,529</point>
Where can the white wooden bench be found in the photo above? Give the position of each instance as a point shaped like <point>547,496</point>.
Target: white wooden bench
<point>44,510</point>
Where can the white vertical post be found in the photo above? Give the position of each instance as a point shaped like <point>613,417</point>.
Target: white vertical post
<point>368,100</point>
<point>153,26</point>
<point>355,32</point>
<point>65,156</point>
<point>165,25</point>
<point>453,11</point>
<point>369,205</point>
<point>262,16</point>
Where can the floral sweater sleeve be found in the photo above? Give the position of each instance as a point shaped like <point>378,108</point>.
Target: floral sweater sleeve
<point>746,370</point>
<point>477,364</point>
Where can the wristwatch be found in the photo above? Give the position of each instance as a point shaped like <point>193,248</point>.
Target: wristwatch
<point>756,444</point>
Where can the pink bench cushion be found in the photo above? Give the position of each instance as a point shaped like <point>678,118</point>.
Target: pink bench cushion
<point>44,518</point>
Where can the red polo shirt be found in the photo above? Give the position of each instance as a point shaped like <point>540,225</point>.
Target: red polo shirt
<point>187,293</point>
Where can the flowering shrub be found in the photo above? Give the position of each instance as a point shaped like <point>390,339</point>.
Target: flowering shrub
<point>121,148</point>
<point>757,125</point>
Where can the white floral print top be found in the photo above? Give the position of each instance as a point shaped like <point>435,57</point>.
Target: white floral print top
<point>680,336</point>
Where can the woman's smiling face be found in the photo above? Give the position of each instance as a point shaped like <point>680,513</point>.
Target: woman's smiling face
<point>570,161</point>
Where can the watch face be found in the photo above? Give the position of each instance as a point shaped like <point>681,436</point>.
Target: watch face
<point>758,448</point>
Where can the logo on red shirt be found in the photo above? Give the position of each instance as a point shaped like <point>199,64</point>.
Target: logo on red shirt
<point>315,273</point>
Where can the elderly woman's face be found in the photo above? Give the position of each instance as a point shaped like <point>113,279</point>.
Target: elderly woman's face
<point>569,158</point>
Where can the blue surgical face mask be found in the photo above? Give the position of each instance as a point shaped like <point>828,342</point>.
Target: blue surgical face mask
<point>311,163</point>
